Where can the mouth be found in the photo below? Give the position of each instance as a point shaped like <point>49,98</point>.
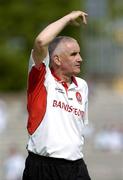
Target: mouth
<point>78,65</point>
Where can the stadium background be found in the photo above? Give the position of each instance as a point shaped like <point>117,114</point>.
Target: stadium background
<point>102,50</point>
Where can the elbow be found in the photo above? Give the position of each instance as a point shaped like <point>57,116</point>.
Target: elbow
<point>40,43</point>
<point>39,50</point>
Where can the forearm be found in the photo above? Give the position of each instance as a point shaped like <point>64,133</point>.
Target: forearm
<point>46,36</point>
<point>51,31</point>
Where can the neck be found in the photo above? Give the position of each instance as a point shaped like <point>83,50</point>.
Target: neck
<point>66,79</point>
<point>63,77</point>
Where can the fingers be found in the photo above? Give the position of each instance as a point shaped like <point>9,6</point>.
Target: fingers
<point>79,16</point>
<point>80,19</point>
<point>84,17</point>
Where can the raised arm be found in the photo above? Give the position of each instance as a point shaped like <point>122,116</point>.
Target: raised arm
<point>51,31</point>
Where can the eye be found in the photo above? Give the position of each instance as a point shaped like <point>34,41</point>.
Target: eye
<point>74,54</point>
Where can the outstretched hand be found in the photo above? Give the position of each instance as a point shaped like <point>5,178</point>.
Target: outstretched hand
<point>76,17</point>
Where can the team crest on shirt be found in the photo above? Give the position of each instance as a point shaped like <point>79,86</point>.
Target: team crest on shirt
<point>79,97</point>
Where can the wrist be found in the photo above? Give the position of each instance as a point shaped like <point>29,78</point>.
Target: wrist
<point>66,19</point>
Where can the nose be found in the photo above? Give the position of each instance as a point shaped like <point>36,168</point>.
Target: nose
<point>80,58</point>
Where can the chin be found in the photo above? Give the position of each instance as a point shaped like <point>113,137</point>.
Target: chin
<point>76,73</point>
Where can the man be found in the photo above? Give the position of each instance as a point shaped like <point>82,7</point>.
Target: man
<point>57,106</point>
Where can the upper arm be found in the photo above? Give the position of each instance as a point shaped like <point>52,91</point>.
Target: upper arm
<point>32,61</point>
<point>39,52</point>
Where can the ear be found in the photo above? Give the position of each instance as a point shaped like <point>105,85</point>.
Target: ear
<point>57,60</point>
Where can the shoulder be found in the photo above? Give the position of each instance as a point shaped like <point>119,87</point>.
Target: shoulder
<point>82,86</point>
<point>81,82</point>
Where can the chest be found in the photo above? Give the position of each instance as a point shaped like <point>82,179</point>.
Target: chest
<point>71,97</point>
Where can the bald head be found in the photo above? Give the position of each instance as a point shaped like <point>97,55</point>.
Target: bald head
<point>58,45</point>
<point>65,58</point>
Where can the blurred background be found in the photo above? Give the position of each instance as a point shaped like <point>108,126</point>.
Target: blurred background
<point>102,51</point>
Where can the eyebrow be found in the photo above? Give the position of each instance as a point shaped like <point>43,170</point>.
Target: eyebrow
<point>74,53</point>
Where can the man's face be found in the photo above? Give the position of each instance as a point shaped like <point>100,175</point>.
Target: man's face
<point>70,58</point>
